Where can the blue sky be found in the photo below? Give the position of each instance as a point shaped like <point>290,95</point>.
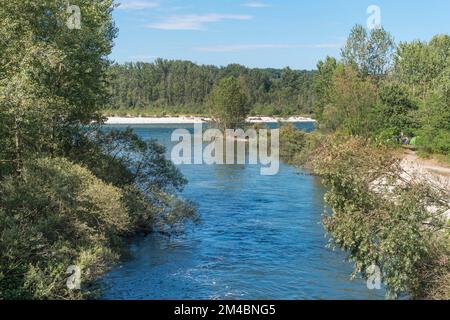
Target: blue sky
<point>262,33</point>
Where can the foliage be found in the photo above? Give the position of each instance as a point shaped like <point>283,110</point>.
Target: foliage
<point>386,97</point>
<point>352,97</point>
<point>296,146</point>
<point>394,114</point>
<point>53,216</point>
<point>182,87</point>
<point>41,77</point>
<point>140,168</point>
<point>372,52</point>
<point>292,142</point>
<point>434,134</point>
<point>69,193</point>
<point>419,64</point>
<point>229,103</point>
<point>382,216</point>
<point>323,83</point>
<point>121,157</point>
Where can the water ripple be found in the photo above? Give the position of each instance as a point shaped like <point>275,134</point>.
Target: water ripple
<point>260,238</point>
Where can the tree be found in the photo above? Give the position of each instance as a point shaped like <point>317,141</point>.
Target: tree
<point>434,134</point>
<point>52,78</point>
<point>424,68</point>
<point>56,214</point>
<point>69,193</point>
<point>351,99</point>
<point>395,113</point>
<point>174,86</point>
<point>420,64</point>
<point>382,215</point>
<point>371,52</point>
<point>323,82</point>
<point>229,103</point>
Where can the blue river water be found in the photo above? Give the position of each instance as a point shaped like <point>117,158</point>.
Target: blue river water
<point>260,237</point>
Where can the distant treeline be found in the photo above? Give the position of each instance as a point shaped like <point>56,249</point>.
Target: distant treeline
<point>183,86</point>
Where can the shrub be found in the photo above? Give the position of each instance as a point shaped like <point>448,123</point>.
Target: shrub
<point>382,217</point>
<point>56,214</point>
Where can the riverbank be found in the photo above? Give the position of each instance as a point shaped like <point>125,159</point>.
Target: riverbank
<point>427,170</point>
<point>193,120</point>
<point>435,167</point>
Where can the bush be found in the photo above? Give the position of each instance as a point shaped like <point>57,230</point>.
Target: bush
<point>297,147</point>
<point>382,218</point>
<point>292,142</point>
<point>56,214</point>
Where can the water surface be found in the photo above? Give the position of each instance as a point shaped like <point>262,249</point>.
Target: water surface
<point>260,237</point>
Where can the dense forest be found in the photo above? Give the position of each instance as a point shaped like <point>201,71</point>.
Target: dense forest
<point>183,87</point>
<point>373,102</point>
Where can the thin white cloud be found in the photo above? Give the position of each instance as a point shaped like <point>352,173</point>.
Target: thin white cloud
<point>256,4</point>
<point>138,4</point>
<point>249,47</point>
<point>195,21</point>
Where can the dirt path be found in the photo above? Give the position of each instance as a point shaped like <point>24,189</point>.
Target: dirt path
<point>429,169</point>
<point>430,165</point>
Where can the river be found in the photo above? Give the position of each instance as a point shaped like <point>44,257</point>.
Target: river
<point>260,237</point>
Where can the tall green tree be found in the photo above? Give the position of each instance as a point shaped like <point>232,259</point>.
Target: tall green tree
<point>69,192</point>
<point>52,77</point>
<point>229,103</point>
<point>420,64</point>
<point>372,52</point>
<point>434,133</point>
<point>323,82</point>
<point>380,222</point>
<point>352,96</point>
<point>394,114</point>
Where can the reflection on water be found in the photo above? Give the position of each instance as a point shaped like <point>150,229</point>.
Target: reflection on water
<point>260,238</point>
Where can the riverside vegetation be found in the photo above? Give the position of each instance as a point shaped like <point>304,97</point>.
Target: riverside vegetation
<point>70,194</point>
<point>382,215</point>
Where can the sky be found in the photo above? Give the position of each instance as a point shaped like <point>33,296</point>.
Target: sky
<point>262,33</point>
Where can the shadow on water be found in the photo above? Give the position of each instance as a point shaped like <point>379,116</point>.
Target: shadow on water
<point>260,238</point>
